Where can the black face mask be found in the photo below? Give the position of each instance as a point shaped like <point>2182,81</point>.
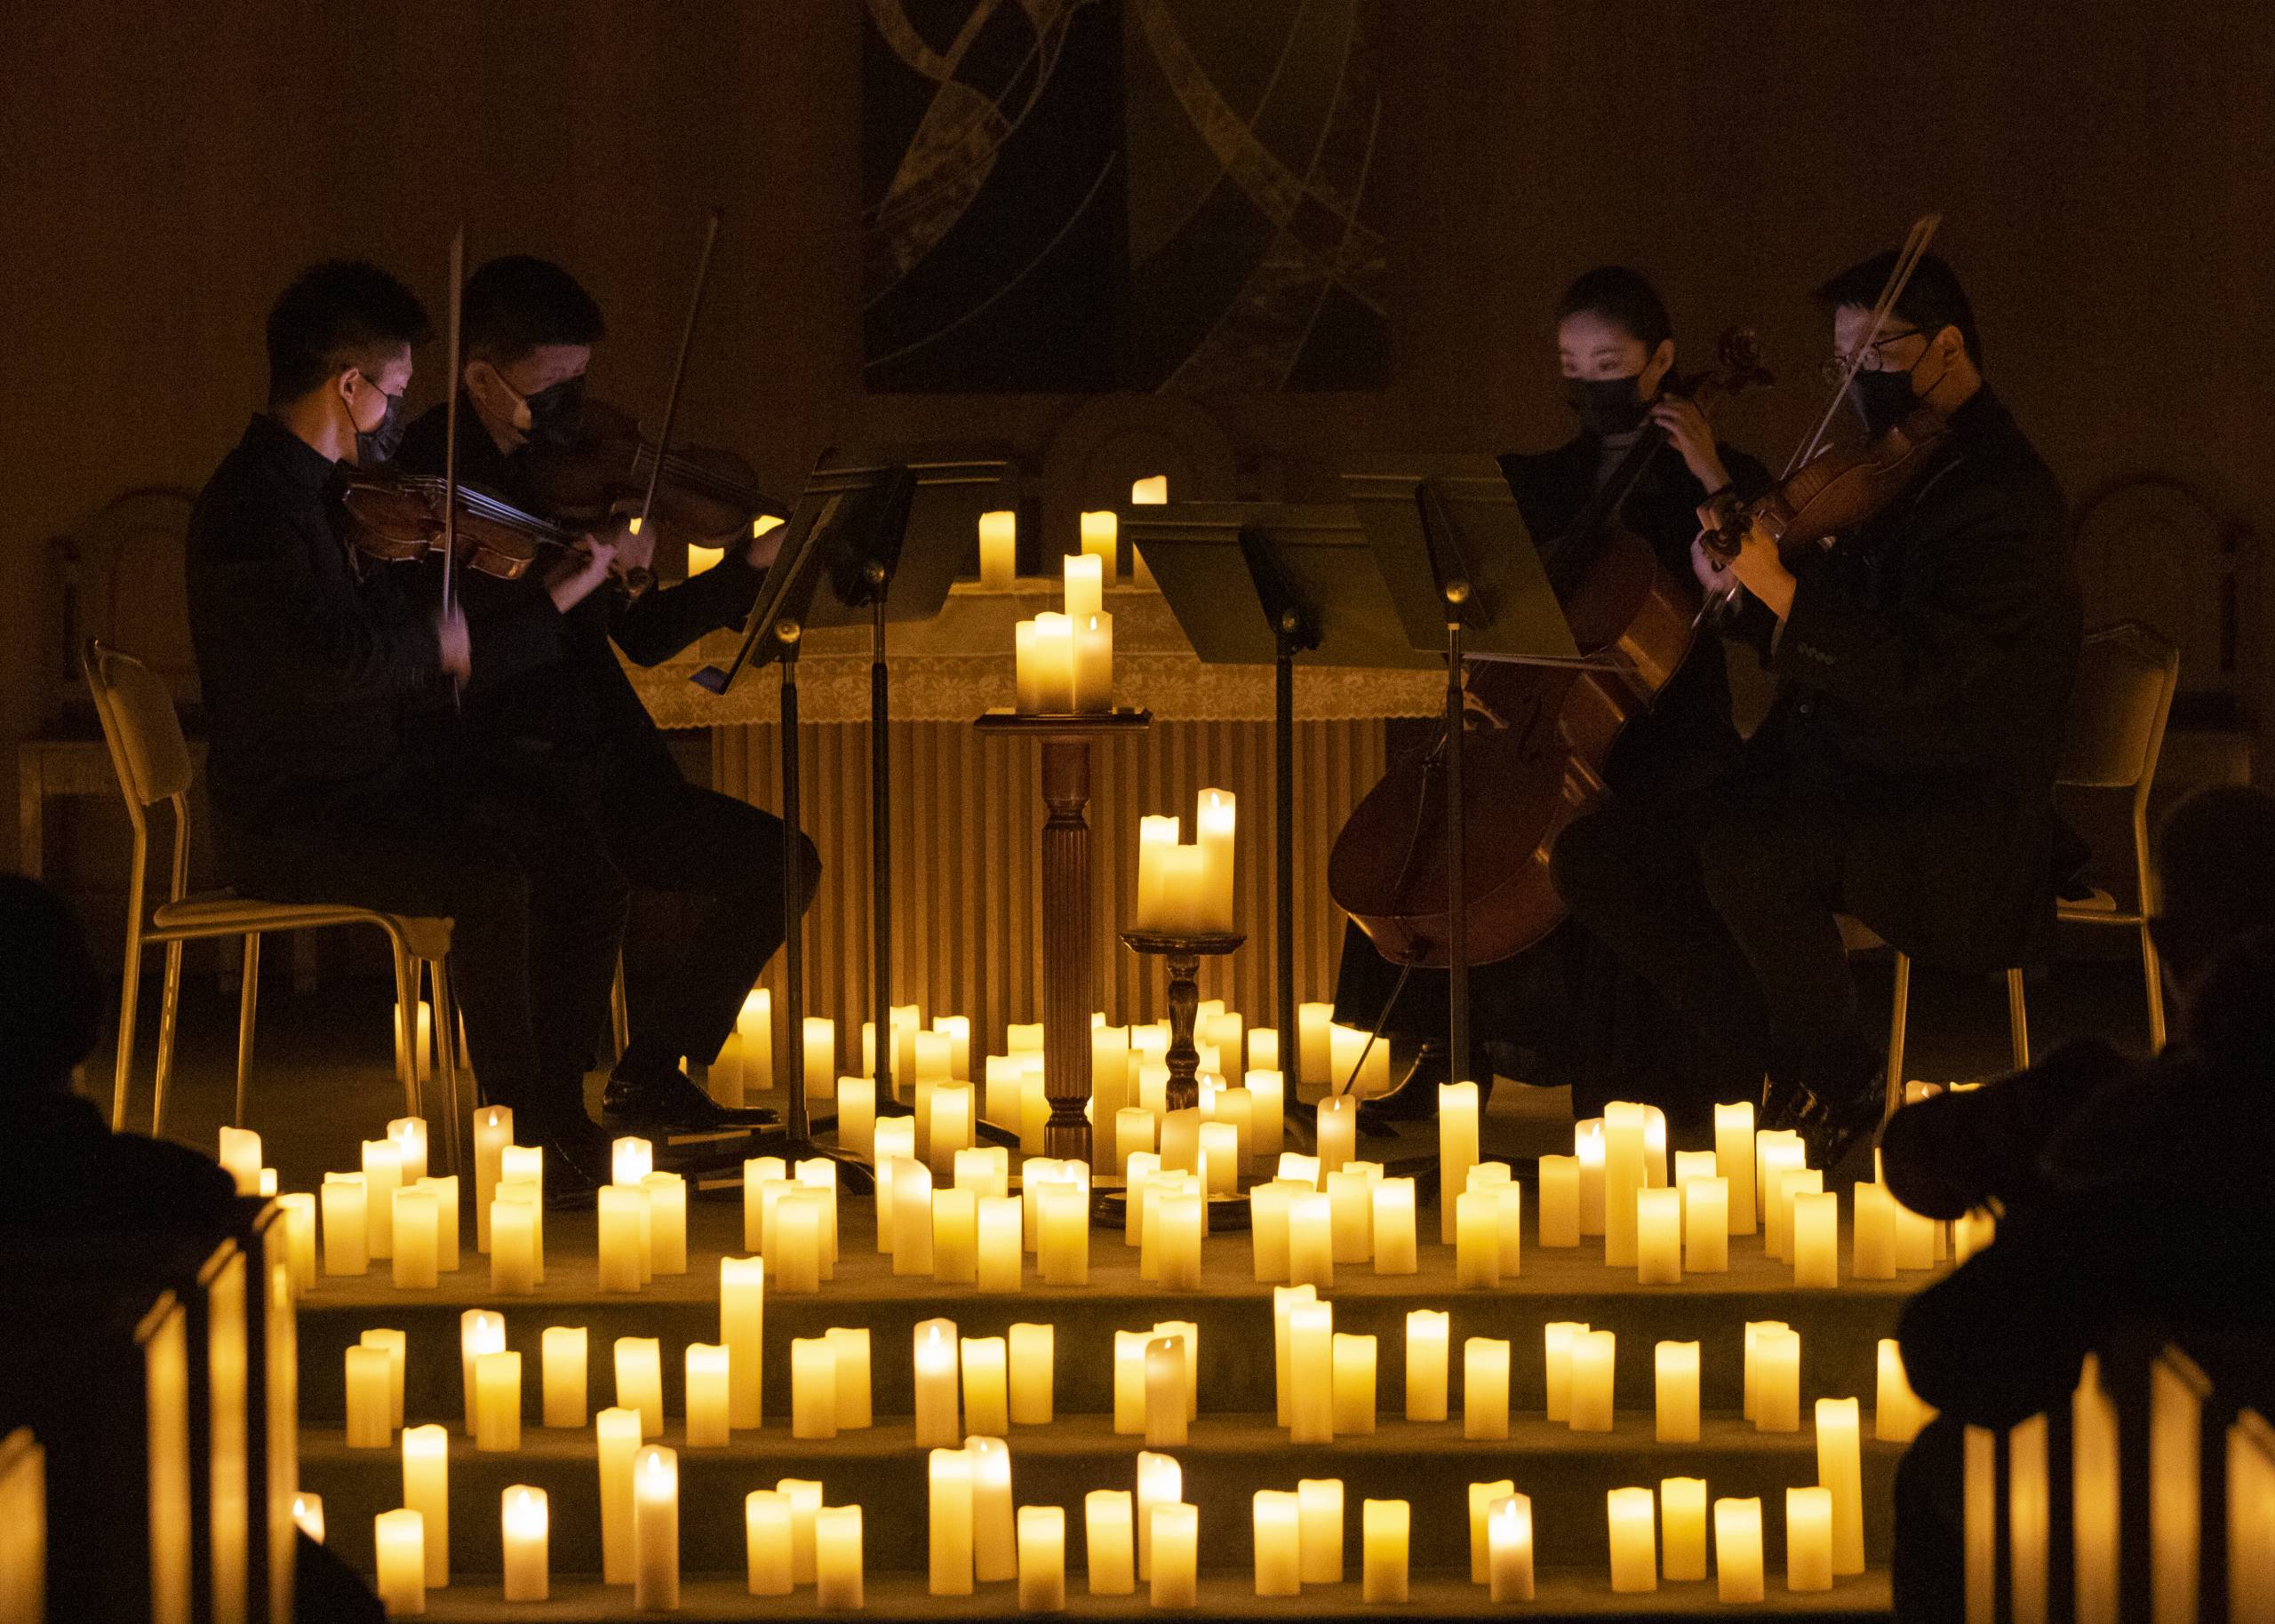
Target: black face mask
<point>557,413</point>
<point>1881,400</point>
<point>1606,405</point>
<point>379,446</point>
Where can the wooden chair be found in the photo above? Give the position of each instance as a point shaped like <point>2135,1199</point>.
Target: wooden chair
<point>2127,676</point>
<point>152,760</point>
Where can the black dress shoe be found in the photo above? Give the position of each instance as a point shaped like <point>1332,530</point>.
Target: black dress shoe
<point>1783,1107</point>
<point>1832,1125</point>
<point>577,1162</point>
<point>1414,1099</point>
<point>669,1100</point>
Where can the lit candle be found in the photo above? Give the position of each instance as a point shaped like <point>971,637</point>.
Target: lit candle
<point>1178,1214</point>
<point>1557,1337</point>
<point>1676,1368</point>
<point>623,1217</point>
<point>1753,1328</point>
<point>1311,1373</point>
<point>1042,1559</point>
<point>444,1192</point>
<point>493,1131</point>
<point>1457,1120</point>
<point>1354,1384</point>
<point>655,1530</point>
<point>512,1233</point>
<point>999,1255</point>
<point>1093,661</point>
<point>1840,1471</point>
<point>1100,532</point>
<point>1063,1249</point>
<point>630,1161</point>
<point>1213,835</point>
<point>936,1384</point>
<point>480,1332</point>
<point>987,1385</point>
<point>345,1234</point>
<point>1706,1225</point>
<point>300,1209</point>
<point>955,1236</point>
<point>1634,1555</point>
<point>837,1558</point>
<point>1151,491</point>
<point>1774,1153</point>
<point>1278,1525</point>
<point>666,1194</point>
<point>1734,1161</point>
<point>1109,1547</point>
<point>1428,1333</point>
<point>1873,1257</point>
<point>1817,1240</point>
<point>1560,1201</point>
<point>1623,1176</point>
<point>1588,1150</point>
<point>1385,1529</point>
<point>706,1396</point>
<point>240,1158</point>
<point>1786,1186</point>
<point>856,1125</point>
<point>1393,1227</point>
<point>640,1382</point>
<point>1484,1387</point>
<point>307,1515</point>
<point>1808,1538</point>
<point>523,1515</point>
<point>1508,1547</point>
<point>1737,1548</point>
<point>994,1540</point>
<point>1897,1414</point>
<point>1593,1355</point>
<point>755,1040</point>
<point>742,1321</point>
<point>1477,1247</point>
<point>1032,1375</point>
<point>912,1214</point>
<point>849,1344</point>
<point>1682,1518</point>
<point>813,1388</point>
<point>999,540</point>
<point>1129,1381</point>
<point>426,1490</point>
<point>370,1424</point>
<point>1351,1217</point>
<point>399,1538</point>
<point>497,1401</point>
<point>767,1541</point>
<point>1164,1392</point>
<point>563,1360</point>
<point>1311,1239</point>
<point>949,1519</point>
<point>798,1253</point>
<point>1658,1237</point>
<point>1267,1211</point>
<point>1050,648</point>
<point>1778,1378</point>
<point>617,1435</point>
<point>1691,1165</point>
<point>804,1497</point>
<point>950,1121</point>
<point>1176,1556</point>
<point>416,1240</point>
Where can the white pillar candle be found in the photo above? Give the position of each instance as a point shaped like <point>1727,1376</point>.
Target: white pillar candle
<point>1623,1176</point>
<point>955,1236</point>
<point>813,1388</point>
<point>1774,1153</point>
<point>1457,1150</point>
<point>1817,1240</point>
<point>666,1194</point>
<point>524,1517</point>
<point>640,1382</point>
<point>1737,1547</point>
<point>1278,1550</point>
<point>837,1559</point>
<point>1778,1378</point>
<point>1484,1387</point>
<point>1393,1226</point>
<point>1000,1257</point>
<point>1658,1237</point>
<point>817,1046</point>
<point>616,1438</point>
<point>240,1158</point>
<point>1267,1092</point>
<point>849,1346</point>
<point>1338,1131</point>
<point>1508,1549</point>
<point>1129,1381</point>
<point>399,1540</point>
<point>493,1131</point>
<point>1706,1225</point>
<point>1319,1505</point>
<point>707,1387</point>
<point>1675,1367</point>
<point>858,1125</point>
<point>1691,1165</point>
<point>1734,1161</point>
<point>1220,1158</point>
<point>444,1191</point>
<point>1786,1185</point>
<point>799,1254</point>
<point>911,1209</point>
<point>1840,1471</point>
<point>1181,1141</point>
<point>1897,1414</point>
<point>950,1121</point>
<point>1427,1338</point>
<point>426,1490</point>
<point>396,1345</point>
<point>995,1538</point>
<point>1477,1243</point>
<point>767,1542</point>
<point>370,1425</point>
<point>382,1177</point>
<point>1063,1245</point>
<point>949,1520</point>
<point>655,1530</point>
<point>804,1496</point>
<point>1100,537</point>
<point>1084,579</point>
<point>1354,1384</point>
<point>1873,1229</point>
<point>299,1208</point>
<point>1587,1151</point>
<point>1312,1043</point>
<point>1109,1542</point>
<point>1808,1538</point>
<point>1179,1214</point>
<point>564,1360</point>
<point>1164,1405</point>
<point>1284,1299</point>
<point>1593,1356</point>
<point>1311,1239</point>
<point>742,1323</point>
<point>1032,1374</point>
<point>1042,1559</point>
<point>346,1248</point>
<point>985,1170</point>
<point>1351,1215</point>
<point>1176,1576</point>
<point>1682,1528</point>
<point>1267,1223</point>
<point>1560,1201</point>
<point>754,1040</point>
<point>417,1243</point>
<point>1093,662</point>
<point>1157,838</point>
<point>1634,1554</point>
<point>1213,832</point>
<point>497,1401</point>
<point>623,1216</point>
<point>631,1158</point>
<point>1384,1531</point>
<point>480,1332</point>
<point>1482,1497</point>
<point>1311,1373</point>
<point>987,1385</point>
<point>936,1350</point>
<point>1133,1133</point>
<point>999,532</point>
<point>512,1224</point>
<point>1557,1338</point>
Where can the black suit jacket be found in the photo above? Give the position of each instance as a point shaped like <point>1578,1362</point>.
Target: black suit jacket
<point>1925,669</point>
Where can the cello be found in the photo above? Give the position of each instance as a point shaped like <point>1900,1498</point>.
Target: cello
<point>1540,762</point>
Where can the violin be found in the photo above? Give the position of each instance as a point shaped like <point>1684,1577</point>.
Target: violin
<point>705,497</point>
<point>397,518</point>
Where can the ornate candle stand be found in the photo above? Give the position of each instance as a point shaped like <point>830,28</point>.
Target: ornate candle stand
<point>1184,954</point>
<point>1070,977</point>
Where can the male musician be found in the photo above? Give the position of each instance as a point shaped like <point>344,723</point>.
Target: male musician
<point>309,659</point>
<point>553,722</point>
<point>1565,1011</point>
<point>1904,775</point>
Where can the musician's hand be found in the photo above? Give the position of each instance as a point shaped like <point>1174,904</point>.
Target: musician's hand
<point>765,544</point>
<point>1691,435</point>
<point>1764,572</point>
<point>455,648</point>
<point>634,549</point>
<point>1720,583</point>
<point>574,578</point>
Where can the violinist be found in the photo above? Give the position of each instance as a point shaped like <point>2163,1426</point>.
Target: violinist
<point>1905,774</point>
<point>1564,1012</point>
<point>309,658</point>
<point>551,724</point>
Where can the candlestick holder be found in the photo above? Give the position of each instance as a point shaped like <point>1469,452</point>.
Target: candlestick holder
<point>1069,975</point>
<point>1183,954</point>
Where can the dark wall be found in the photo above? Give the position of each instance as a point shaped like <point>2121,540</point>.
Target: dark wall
<point>2102,167</point>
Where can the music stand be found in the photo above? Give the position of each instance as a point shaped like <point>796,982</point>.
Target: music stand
<point>1462,575</point>
<point>1311,571</point>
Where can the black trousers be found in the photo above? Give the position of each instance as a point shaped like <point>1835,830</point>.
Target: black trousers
<point>1930,1565</point>
<point>537,910</point>
<point>1724,899</point>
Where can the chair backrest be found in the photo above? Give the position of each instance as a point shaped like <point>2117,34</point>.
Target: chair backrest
<point>2127,674</point>
<point>139,723</point>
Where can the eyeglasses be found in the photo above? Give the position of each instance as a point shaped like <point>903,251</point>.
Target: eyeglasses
<point>1869,358</point>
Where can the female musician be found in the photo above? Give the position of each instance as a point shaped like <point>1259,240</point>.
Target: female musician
<point>1562,1012</point>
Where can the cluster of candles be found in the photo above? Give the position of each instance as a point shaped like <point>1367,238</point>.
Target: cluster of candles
<point>1062,663</point>
<point>1185,890</point>
<point>1101,536</point>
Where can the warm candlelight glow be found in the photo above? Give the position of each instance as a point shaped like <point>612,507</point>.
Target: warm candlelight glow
<point>1508,1546</point>
<point>399,1539</point>
<point>1043,1559</point>
<point>935,1363</point>
<point>837,1558</point>
<point>426,1490</point>
<point>999,544</point>
<point>564,1362</point>
<point>1634,1550</point>
<point>1485,1387</point>
<point>1594,1353</point>
<point>1808,1538</point>
<point>1737,1549</point>
<point>497,1401</point>
<point>1682,1528</point>
<point>1676,1370</point>
<point>640,1382</point>
<point>525,1519</point>
<point>655,1530</point>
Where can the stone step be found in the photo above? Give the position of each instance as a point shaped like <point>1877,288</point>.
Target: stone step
<point>1228,1457</point>
<point>1558,1595</point>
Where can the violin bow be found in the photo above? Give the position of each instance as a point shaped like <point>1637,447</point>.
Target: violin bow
<point>679,371</point>
<point>1899,276</point>
<point>450,433</point>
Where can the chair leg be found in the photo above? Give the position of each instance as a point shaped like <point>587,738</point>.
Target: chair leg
<point>446,1011</point>
<point>169,1011</point>
<point>2018,1019</point>
<point>1899,1013</point>
<point>248,1000</point>
<point>2154,974</point>
<point>620,1011</point>
<point>406,1022</point>
<point>130,1000</point>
